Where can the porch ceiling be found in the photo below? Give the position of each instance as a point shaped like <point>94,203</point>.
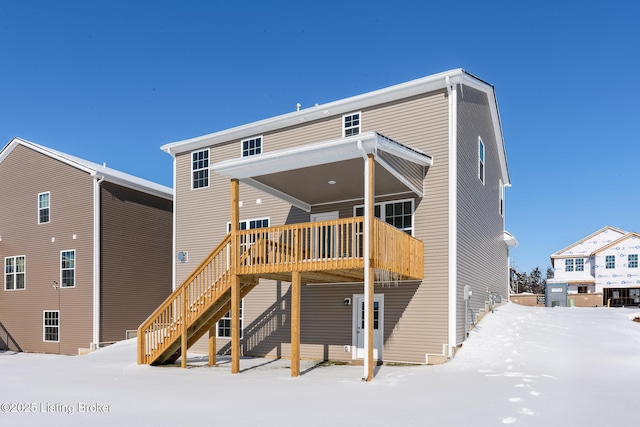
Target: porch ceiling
<point>330,171</point>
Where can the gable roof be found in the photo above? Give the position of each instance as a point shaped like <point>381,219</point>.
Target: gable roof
<point>631,235</point>
<point>404,90</point>
<point>589,237</point>
<point>93,169</point>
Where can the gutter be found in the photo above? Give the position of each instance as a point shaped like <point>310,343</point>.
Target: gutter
<point>96,261</point>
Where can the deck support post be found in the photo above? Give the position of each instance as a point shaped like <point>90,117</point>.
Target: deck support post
<point>235,279</point>
<point>184,341</point>
<point>296,281</point>
<point>212,346</point>
<point>369,274</point>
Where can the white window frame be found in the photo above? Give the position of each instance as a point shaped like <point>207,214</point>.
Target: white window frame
<point>579,266</point>
<point>610,259</point>
<point>634,261</point>
<point>15,273</point>
<point>227,318</point>
<point>482,156</point>
<point>247,152</point>
<point>63,269</point>
<point>357,127</point>
<point>45,326</point>
<point>41,208</point>
<point>501,190</point>
<point>383,212</point>
<point>568,265</point>
<point>205,169</point>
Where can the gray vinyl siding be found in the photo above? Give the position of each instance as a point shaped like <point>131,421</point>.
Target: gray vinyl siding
<point>416,314</point>
<point>24,174</point>
<point>481,248</point>
<point>136,258</point>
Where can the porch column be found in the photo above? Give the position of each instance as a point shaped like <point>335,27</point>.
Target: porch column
<point>212,346</point>
<point>235,279</point>
<point>369,275</point>
<point>296,279</point>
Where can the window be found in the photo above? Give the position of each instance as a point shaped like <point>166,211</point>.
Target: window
<point>580,264</point>
<point>582,289</point>
<point>633,260</point>
<point>68,269</point>
<point>568,265</point>
<point>14,273</point>
<point>224,324</point>
<point>501,190</point>
<point>200,169</point>
<point>251,147</point>
<point>43,207</point>
<point>610,261</point>
<point>51,326</point>
<point>481,160</point>
<point>351,124</point>
<point>399,214</point>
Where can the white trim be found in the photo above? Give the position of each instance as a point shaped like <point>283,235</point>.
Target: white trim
<point>482,161</point>
<point>93,169</point>
<point>206,168</point>
<point>453,208</point>
<point>383,214</point>
<point>501,198</point>
<point>249,139</point>
<point>344,130</point>
<point>96,264</point>
<point>44,326</point>
<point>48,207</point>
<point>335,108</point>
<point>354,324</point>
<point>4,273</point>
<point>74,268</point>
<point>174,242</point>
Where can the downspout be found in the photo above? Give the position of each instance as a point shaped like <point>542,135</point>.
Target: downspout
<point>453,219</point>
<point>96,262</point>
<point>174,268</point>
<point>367,259</point>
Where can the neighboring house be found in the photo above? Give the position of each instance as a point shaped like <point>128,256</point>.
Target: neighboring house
<point>307,196</point>
<point>86,250</point>
<point>604,262</point>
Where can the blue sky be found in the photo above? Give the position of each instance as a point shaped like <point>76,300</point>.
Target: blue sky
<point>113,81</point>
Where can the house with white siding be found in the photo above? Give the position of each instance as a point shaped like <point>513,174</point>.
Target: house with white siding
<point>345,231</point>
<point>604,262</point>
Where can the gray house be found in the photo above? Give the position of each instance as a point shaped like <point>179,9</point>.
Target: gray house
<point>86,250</point>
<point>344,231</point>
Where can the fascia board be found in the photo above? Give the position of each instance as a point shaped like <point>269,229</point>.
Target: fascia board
<point>617,242</point>
<point>403,152</point>
<point>94,169</point>
<point>304,156</point>
<point>589,237</point>
<point>358,102</point>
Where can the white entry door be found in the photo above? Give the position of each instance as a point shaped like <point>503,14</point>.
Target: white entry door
<point>358,326</point>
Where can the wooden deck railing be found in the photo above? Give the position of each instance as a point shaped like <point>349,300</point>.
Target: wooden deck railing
<point>308,247</point>
<point>185,305</point>
<point>328,245</point>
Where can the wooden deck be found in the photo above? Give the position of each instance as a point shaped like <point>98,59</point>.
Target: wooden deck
<point>319,252</point>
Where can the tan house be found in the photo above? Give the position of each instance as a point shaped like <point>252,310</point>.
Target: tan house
<point>344,231</point>
<point>86,250</point>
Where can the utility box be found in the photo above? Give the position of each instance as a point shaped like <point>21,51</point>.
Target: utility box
<point>556,294</point>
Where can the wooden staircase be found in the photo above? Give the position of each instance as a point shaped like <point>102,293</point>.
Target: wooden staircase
<point>192,309</point>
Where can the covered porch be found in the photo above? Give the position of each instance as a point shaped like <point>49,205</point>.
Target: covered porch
<point>358,249</point>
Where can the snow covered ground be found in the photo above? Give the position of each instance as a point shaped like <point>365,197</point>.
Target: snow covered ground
<point>522,366</point>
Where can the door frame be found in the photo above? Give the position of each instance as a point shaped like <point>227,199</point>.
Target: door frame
<point>378,337</point>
